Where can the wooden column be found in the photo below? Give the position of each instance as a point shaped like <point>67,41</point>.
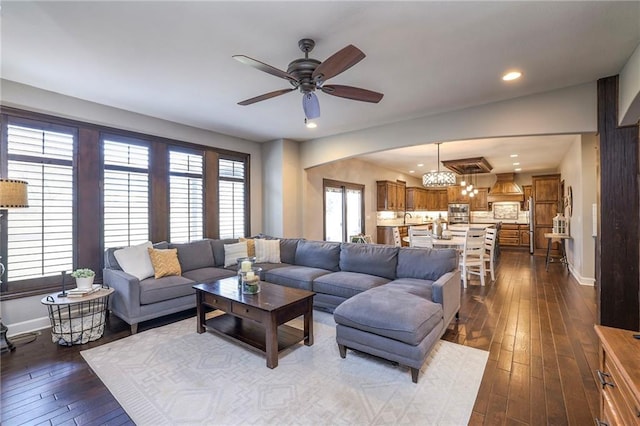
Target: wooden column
<point>159,196</point>
<point>617,247</point>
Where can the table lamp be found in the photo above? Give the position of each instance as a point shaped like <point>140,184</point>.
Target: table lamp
<point>13,195</point>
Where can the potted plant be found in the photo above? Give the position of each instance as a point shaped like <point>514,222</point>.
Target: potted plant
<point>84,278</point>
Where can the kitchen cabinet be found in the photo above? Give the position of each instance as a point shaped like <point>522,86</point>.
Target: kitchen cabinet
<point>524,235</point>
<point>415,199</point>
<point>385,235</point>
<point>509,235</point>
<point>390,196</point>
<point>479,201</point>
<point>454,195</point>
<point>436,200</point>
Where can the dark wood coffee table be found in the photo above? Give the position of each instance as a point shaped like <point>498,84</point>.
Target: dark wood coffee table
<point>256,320</point>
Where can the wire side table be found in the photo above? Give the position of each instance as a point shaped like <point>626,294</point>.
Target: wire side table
<point>77,320</point>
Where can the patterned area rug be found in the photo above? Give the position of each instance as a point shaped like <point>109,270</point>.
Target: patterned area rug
<point>172,375</point>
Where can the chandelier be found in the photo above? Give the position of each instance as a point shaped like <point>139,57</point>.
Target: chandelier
<point>468,189</point>
<point>438,179</point>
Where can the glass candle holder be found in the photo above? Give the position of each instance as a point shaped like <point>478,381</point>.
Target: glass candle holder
<point>244,264</point>
<point>251,280</point>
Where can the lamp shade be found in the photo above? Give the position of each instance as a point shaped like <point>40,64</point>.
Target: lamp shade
<point>438,179</point>
<point>13,194</point>
<point>310,105</point>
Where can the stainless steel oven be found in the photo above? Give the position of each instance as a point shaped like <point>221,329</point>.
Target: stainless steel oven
<point>458,213</point>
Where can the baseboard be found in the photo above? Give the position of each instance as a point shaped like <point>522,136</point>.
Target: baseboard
<point>582,280</point>
<point>28,326</point>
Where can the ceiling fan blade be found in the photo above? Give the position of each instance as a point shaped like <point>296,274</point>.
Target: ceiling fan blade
<point>351,92</point>
<point>264,67</point>
<point>265,96</point>
<point>340,61</point>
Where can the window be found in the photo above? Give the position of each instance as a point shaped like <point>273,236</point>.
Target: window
<point>186,214</point>
<point>40,238</point>
<point>126,191</point>
<point>343,210</point>
<point>231,190</point>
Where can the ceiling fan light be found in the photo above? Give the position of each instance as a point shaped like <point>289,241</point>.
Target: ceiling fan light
<point>310,124</point>
<point>310,105</point>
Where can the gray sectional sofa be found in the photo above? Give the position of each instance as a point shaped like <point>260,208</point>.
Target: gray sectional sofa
<point>336,272</point>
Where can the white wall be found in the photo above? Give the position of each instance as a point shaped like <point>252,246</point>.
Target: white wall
<point>352,171</point>
<point>578,171</point>
<point>629,91</point>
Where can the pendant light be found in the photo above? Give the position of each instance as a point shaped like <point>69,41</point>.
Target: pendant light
<point>438,179</point>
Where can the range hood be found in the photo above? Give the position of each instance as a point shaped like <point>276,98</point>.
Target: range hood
<point>505,189</point>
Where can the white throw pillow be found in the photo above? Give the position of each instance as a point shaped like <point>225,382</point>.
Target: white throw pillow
<point>135,260</point>
<point>267,251</point>
<point>233,251</point>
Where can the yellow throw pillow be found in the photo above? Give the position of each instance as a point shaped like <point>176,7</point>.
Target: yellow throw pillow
<point>251,246</point>
<point>165,262</point>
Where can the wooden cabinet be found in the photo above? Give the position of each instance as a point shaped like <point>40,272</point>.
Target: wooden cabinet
<point>426,199</point>
<point>546,203</point>
<point>385,235</point>
<point>479,201</point>
<point>436,200</point>
<point>523,230</point>
<point>618,377</point>
<point>526,189</point>
<point>509,235</point>
<point>454,195</point>
<point>390,196</point>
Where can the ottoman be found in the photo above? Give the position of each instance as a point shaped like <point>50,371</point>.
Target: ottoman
<point>390,323</point>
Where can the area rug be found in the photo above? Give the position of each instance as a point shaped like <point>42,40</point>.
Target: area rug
<point>172,375</point>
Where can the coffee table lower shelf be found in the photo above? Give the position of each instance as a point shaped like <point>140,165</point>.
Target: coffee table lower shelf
<point>252,334</point>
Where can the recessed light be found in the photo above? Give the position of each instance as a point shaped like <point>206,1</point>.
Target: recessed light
<point>513,155</point>
<point>412,171</point>
<point>516,164</point>
<point>512,75</point>
<point>518,169</point>
<point>420,165</point>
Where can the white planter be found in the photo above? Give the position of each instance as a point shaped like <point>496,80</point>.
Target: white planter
<point>84,283</point>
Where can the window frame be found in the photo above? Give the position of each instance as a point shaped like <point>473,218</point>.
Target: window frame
<point>247,191</point>
<point>188,151</point>
<point>31,285</point>
<point>344,185</point>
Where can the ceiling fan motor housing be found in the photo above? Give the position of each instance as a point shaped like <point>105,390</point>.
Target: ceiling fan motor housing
<point>302,69</point>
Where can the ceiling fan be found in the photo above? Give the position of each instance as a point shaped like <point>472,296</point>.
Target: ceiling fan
<point>308,74</point>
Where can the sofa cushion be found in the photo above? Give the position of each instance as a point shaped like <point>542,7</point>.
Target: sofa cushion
<point>422,288</point>
<point>154,290</point>
<point>165,262</point>
<point>318,254</point>
<point>208,275</point>
<point>251,246</point>
<point>195,255</point>
<point>425,263</point>
<point>346,284</point>
<point>232,252</point>
<point>135,260</point>
<point>288,248</point>
<point>110,261</point>
<point>267,251</point>
<point>294,276</point>
<point>369,259</point>
<point>391,313</point>
<point>218,249</point>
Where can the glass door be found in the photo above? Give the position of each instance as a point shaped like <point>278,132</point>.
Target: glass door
<point>343,210</point>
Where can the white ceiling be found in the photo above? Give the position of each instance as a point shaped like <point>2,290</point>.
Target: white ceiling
<point>173,60</point>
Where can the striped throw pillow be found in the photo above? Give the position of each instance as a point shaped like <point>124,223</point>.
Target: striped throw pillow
<point>267,251</point>
<point>233,251</point>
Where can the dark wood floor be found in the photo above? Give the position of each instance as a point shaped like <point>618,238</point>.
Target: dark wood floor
<point>537,326</point>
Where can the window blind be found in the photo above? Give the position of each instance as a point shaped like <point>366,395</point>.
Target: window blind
<point>40,238</point>
<point>126,193</point>
<point>186,214</point>
<point>231,193</point>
